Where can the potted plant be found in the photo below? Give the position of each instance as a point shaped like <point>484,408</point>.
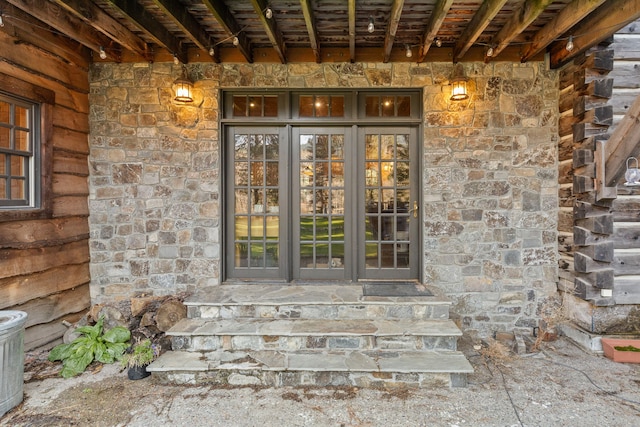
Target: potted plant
<point>138,357</point>
<point>622,350</point>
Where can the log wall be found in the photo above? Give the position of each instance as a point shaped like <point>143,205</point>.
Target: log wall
<point>586,222</point>
<point>44,262</point>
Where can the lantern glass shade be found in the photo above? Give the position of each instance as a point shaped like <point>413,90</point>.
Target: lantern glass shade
<point>459,90</point>
<point>184,89</point>
<point>458,82</point>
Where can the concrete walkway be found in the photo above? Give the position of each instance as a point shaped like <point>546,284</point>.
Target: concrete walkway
<point>563,385</point>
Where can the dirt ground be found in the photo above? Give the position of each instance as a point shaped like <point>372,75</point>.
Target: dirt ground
<point>561,385</point>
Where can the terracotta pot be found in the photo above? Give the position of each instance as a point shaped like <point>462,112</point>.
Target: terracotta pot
<point>609,344</point>
<point>138,372</point>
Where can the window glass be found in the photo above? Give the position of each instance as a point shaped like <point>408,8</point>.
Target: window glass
<point>321,106</point>
<point>17,153</point>
<point>387,106</point>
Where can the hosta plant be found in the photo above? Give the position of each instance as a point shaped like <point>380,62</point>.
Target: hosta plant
<point>92,344</point>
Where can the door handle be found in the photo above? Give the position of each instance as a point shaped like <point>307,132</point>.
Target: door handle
<point>415,209</point>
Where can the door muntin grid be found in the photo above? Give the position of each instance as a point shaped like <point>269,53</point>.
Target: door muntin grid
<point>321,226</point>
<point>390,204</point>
<point>256,200</point>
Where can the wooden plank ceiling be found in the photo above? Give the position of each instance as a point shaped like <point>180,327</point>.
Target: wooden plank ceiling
<point>326,30</point>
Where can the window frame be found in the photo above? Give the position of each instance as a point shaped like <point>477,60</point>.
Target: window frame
<point>41,175</point>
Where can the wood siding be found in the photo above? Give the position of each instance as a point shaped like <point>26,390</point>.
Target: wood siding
<point>44,262</point>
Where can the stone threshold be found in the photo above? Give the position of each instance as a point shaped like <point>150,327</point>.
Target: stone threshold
<point>315,327</point>
<point>318,294</point>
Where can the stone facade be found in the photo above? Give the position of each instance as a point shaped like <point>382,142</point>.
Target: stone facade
<point>490,186</point>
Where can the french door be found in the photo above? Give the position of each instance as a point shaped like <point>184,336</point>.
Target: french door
<point>322,203</point>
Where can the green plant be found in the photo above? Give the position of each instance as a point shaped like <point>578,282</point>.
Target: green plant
<point>627,348</point>
<point>92,344</point>
<point>140,354</point>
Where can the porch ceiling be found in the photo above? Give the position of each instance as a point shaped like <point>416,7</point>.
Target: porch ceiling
<point>327,30</point>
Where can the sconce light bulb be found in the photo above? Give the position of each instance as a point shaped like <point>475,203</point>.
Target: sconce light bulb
<point>175,59</point>
<point>490,51</point>
<point>211,51</point>
<point>371,27</point>
<point>268,13</point>
<point>102,53</point>
<point>1,21</point>
<point>438,42</point>
<point>236,42</point>
<point>569,45</point>
<point>409,53</point>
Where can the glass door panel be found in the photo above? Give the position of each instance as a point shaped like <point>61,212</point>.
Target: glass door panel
<point>390,204</point>
<point>254,183</point>
<point>320,247</point>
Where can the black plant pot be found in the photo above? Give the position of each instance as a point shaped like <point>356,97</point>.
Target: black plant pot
<point>138,372</point>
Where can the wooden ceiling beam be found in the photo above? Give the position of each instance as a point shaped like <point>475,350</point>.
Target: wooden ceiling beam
<point>231,26</point>
<point>27,29</point>
<point>137,14</point>
<point>182,18</point>
<point>309,21</point>
<point>392,29</point>
<point>271,28</point>
<point>352,30</point>
<point>563,21</point>
<point>595,28</point>
<point>66,23</point>
<point>95,17</point>
<point>436,19</point>
<point>487,11</point>
<point>518,22</point>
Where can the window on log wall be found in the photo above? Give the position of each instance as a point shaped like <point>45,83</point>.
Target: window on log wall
<point>25,170</point>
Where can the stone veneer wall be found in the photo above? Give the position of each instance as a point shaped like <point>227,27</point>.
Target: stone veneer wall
<point>489,179</point>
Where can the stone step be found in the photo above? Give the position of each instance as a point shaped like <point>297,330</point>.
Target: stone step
<point>323,301</point>
<point>313,334</point>
<point>376,369</point>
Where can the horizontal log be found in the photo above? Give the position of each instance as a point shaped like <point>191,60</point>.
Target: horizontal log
<point>71,163</point>
<point>597,224</point>
<point>582,157</point>
<point>67,118</point>
<point>601,279</point>
<point>626,235</point>
<point>21,289</point>
<point>601,251</point>
<point>70,206</point>
<point>45,232</point>
<point>565,220</point>
<point>17,262</point>
<point>585,264</point>
<point>31,60</point>
<point>583,236</point>
<point>70,185</point>
<point>626,262</point>
<point>565,241</point>
<point>626,290</point>
<point>582,131</point>
<point>565,172</point>
<point>69,140</point>
<point>623,100</point>
<point>52,307</point>
<point>69,98</point>
<point>49,334</point>
<point>626,47</point>
<point>582,184</point>
<point>626,75</point>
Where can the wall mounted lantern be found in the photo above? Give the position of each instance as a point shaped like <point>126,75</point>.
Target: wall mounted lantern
<point>184,87</point>
<point>458,84</point>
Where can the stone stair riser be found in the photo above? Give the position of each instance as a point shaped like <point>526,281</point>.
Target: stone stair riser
<point>257,377</point>
<point>293,343</point>
<point>361,311</point>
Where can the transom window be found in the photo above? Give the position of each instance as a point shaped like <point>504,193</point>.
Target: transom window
<point>19,153</point>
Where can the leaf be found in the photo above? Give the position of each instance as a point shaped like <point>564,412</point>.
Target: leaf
<point>76,365</point>
<point>59,352</point>
<point>117,334</point>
